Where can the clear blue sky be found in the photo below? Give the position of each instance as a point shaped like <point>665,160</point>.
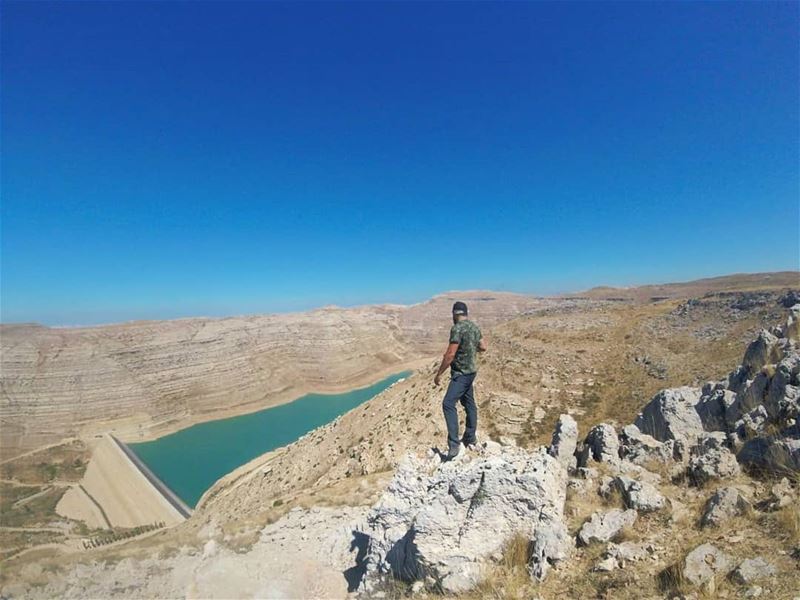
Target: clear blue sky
<point>176,159</point>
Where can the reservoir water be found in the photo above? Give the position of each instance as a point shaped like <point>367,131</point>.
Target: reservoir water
<point>189,461</point>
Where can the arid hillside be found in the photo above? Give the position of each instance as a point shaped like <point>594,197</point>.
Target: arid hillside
<point>599,361</point>
<point>145,379</point>
<point>596,360</point>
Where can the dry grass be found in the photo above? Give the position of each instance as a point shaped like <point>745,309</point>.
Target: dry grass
<point>509,578</point>
<point>788,519</point>
<point>64,462</point>
<point>672,581</point>
<point>626,534</point>
<point>37,512</point>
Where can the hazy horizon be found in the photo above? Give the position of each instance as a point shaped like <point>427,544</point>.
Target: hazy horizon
<point>166,160</point>
<point>222,315</point>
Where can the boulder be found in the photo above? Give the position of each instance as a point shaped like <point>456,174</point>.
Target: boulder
<point>628,552</point>
<point>443,522</point>
<point>752,395</point>
<point>671,415</point>
<point>751,424</point>
<point>565,441</point>
<point>781,494</point>
<point>712,408</point>
<point>753,569</point>
<point>602,527</point>
<point>782,399</point>
<point>606,487</point>
<point>737,379</point>
<point>711,459</point>
<point>640,496</point>
<point>724,504</point>
<point>792,329</point>
<point>704,564</point>
<point>761,351</point>
<point>640,448</point>
<point>601,444</point>
<point>606,565</point>
<point>777,456</point>
<point>551,545</point>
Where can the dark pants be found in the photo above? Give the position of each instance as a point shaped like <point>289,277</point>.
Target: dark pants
<point>460,390</point>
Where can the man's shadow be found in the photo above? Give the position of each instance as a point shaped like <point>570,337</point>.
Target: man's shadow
<point>355,574</point>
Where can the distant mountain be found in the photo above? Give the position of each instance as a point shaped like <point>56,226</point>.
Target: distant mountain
<point>696,288</point>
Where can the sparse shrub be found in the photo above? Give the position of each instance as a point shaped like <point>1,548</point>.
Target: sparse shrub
<point>672,581</point>
<point>626,534</point>
<point>789,520</point>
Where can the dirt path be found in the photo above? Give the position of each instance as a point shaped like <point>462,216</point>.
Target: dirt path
<point>26,499</point>
<point>38,449</point>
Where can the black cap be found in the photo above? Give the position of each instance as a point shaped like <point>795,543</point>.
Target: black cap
<point>459,308</point>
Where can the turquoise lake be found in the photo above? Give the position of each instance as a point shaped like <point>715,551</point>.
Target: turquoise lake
<point>189,461</point>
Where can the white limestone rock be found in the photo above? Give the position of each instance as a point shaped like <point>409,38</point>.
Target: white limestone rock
<point>761,351</point>
<point>749,398</point>
<point>703,565</point>
<point>782,399</point>
<point>753,569</point>
<point>779,456</point>
<point>671,415</point>
<point>551,545</point>
<point>640,448</point>
<point>711,459</point>
<point>446,521</point>
<point>724,504</point>
<point>792,329</point>
<point>713,407</point>
<point>628,552</point>
<point>781,495</point>
<point>606,565</point>
<point>565,441</point>
<point>752,423</point>
<point>602,527</point>
<point>640,496</point>
<point>601,445</point>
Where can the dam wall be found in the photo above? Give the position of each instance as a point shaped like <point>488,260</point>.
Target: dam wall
<point>121,488</point>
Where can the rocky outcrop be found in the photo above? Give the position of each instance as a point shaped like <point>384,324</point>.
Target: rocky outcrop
<point>442,523</point>
<point>763,350</point>
<point>781,494</point>
<point>724,504</point>
<point>671,415</point>
<point>741,413</point>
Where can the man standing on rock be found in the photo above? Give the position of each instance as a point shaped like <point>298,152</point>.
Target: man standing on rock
<point>465,341</point>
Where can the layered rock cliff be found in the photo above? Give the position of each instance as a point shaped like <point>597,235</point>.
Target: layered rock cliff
<point>145,379</point>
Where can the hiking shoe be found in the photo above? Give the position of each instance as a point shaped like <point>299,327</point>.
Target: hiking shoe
<point>470,445</point>
<point>451,454</point>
